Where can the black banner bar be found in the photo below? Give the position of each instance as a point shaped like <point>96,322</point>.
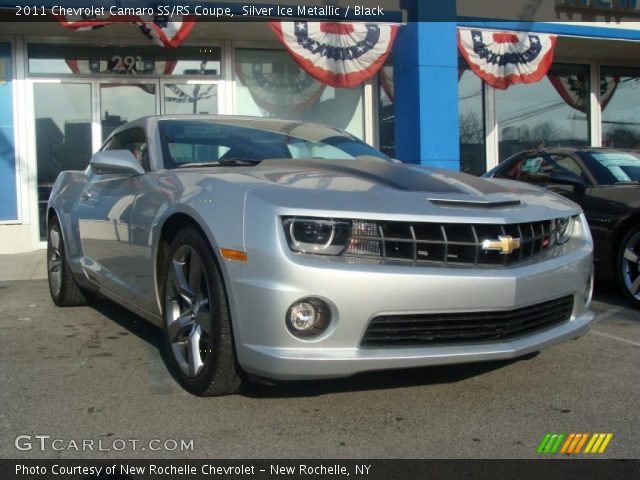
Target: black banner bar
<point>565,469</point>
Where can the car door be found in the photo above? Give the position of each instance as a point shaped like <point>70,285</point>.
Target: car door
<point>539,168</point>
<point>105,211</point>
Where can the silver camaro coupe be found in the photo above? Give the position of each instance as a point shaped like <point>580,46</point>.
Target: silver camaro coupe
<point>278,249</point>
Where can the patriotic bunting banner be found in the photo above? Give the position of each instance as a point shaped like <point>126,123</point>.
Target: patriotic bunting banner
<point>505,58</point>
<point>574,90</point>
<point>280,88</point>
<point>163,32</point>
<point>337,54</point>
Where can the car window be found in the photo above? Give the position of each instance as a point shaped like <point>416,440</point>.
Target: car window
<point>568,163</point>
<point>133,140</point>
<point>535,168</point>
<point>617,167</point>
<point>538,168</point>
<point>512,171</point>
<point>203,141</point>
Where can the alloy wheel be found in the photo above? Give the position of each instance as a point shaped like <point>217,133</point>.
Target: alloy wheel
<point>188,311</point>
<point>631,265</point>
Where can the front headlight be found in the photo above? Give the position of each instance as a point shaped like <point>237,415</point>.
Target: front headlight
<point>564,229</point>
<point>324,236</point>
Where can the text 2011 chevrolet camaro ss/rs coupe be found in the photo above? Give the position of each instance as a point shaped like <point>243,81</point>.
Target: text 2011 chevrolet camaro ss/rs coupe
<point>288,250</point>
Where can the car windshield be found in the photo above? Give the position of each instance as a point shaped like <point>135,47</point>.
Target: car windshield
<point>246,142</point>
<point>619,167</point>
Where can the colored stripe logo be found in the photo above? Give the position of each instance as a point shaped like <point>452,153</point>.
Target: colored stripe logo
<point>573,443</point>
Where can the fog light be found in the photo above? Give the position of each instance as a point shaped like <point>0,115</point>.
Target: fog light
<point>308,317</point>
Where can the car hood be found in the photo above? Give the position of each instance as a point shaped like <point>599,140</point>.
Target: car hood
<point>373,186</point>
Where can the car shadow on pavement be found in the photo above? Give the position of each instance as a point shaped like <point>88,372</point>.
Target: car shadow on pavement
<point>610,294</point>
<point>136,325</point>
<point>387,379</point>
<point>378,380</point>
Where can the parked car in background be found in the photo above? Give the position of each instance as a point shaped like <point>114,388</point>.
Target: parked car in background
<point>291,250</point>
<point>606,183</point>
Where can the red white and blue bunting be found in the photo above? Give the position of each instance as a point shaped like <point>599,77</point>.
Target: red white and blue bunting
<point>337,54</point>
<point>574,90</point>
<point>280,88</point>
<point>502,59</point>
<point>163,32</point>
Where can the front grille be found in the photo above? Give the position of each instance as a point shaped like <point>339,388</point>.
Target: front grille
<point>448,243</point>
<point>440,328</point>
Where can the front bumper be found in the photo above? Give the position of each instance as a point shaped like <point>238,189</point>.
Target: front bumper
<point>262,290</point>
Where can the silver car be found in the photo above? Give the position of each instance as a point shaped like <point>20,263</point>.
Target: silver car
<point>282,250</point>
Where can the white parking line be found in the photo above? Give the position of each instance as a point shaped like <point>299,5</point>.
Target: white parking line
<point>613,337</point>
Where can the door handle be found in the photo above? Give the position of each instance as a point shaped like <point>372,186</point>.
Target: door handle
<point>85,196</point>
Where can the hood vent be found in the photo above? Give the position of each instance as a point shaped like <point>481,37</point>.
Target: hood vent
<point>445,202</point>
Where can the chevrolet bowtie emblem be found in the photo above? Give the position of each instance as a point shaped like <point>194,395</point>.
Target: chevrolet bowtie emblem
<point>504,245</point>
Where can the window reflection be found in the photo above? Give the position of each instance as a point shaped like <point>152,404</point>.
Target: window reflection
<point>121,103</point>
<point>620,107</point>
<point>187,98</point>
<point>386,112</point>
<point>63,135</point>
<point>271,84</point>
<point>551,112</point>
<point>471,121</point>
<point>65,59</point>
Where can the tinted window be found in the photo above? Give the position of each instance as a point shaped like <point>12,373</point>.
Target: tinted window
<point>185,142</point>
<point>133,140</point>
<point>511,171</point>
<point>537,168</point>
<point>617,167</point>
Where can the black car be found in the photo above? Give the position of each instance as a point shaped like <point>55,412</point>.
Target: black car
<point>606,183</point>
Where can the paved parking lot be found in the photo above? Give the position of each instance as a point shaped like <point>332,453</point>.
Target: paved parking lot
<point>98,373</point>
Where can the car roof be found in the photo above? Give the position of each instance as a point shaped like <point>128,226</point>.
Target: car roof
<point>570,150</point>
<point>275,125</point>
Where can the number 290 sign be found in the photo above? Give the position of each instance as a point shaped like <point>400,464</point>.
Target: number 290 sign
<point>128,64</point>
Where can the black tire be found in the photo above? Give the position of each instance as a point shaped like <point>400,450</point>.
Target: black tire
<point>196,319</point>
<point>63,288</point>
<point>628,266</point>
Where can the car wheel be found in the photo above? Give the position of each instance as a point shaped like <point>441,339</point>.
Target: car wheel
<point>64,290</point>
<point>198,333</point>
<point>629,265</point>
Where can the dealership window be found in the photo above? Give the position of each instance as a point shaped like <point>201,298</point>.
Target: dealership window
<point>553,111</point>
<point>8,191</point>
<point>63,135</point>
<point>620,101</point>
<point>473,152</point>
<point>76,59</point>
<point>386,112</point>
<point>270,84</point>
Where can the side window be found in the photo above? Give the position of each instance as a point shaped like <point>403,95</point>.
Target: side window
<point>565,162</point>
<point>133,140</point>
<point>512,172</point>
<point>535,169</point>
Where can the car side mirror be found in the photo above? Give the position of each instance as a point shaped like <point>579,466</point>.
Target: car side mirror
<point>568,178</point>
<point>116,161</point>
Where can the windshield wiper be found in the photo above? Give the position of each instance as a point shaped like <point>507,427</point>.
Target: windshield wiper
<point>227,162</point>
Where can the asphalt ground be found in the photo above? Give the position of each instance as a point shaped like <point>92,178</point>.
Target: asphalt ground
<point>99,373</point>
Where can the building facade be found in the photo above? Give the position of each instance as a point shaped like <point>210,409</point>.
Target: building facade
<point>62,92</point>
